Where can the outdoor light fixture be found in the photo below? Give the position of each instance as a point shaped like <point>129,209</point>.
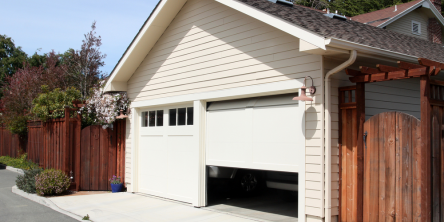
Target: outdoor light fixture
<point>312,90</point>
<point>121,116</point>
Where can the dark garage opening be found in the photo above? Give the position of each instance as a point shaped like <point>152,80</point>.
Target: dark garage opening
<point>258,194</point>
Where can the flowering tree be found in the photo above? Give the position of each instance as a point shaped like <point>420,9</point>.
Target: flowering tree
<point>105,106</point>
<point>83,66</point>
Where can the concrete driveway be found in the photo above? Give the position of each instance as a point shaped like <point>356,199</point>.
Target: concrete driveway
<point>135,207</point>
<point>16,208</point>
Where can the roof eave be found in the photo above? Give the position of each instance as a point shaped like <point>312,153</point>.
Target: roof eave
<point>369,51</point>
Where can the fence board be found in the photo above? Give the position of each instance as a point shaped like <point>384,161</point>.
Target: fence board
<point>104,160</point>
<point>85,161</point>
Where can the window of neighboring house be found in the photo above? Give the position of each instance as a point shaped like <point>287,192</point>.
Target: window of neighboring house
<point>181,116</point>
<point>416,28</point>
<point>152,118</point>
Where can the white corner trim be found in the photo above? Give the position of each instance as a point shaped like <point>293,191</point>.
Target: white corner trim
<point>302,160</point>
<point>276,22</point>
<point>134,149</point>
<point>287,86</point>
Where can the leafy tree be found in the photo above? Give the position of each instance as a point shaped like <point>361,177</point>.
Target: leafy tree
<point>22,88</point>
<point>11,58</point>
<point>51,104</point>
<point>83,66</point>
<point>36,59</point>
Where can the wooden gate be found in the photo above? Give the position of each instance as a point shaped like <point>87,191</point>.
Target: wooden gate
<point>391,144</point>
<point>102,155</point>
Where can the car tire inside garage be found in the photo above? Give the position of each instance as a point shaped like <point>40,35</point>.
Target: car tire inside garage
<point>258,194</point>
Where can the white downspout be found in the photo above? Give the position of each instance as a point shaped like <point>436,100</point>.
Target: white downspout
<point>351,60</point>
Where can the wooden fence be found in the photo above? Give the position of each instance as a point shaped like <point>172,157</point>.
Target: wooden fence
<point>91,155</point>
<point>11,145</point>
<point>437,150</point>
<point>102,154</point>
<point>35,142</point>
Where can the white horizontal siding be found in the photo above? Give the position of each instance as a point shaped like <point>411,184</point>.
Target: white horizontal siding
<point>209,47</point>
<point>404,24</point>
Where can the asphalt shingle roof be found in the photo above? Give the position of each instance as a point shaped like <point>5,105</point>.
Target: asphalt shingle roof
<point>351,31</point>
<point>378,17</point>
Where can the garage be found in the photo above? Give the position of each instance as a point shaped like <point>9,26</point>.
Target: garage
<point>263,133</point>
<point>167,153</point>
<point>253,155</point>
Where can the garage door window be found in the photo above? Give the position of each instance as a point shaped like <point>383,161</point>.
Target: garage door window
<point>152,118</point>
<point>181,116</point>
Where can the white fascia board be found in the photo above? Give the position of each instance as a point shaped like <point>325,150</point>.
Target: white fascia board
<point>425,4</point>
<point>368,51</point>
<point>288,86</point>
<point>159,20</point>
<point>276,22</point>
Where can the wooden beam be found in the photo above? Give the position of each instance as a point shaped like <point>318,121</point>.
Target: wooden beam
<point>428,62</point>
<point>368,70</point>
<point>347,88</point>
<point>384,68</point>
<point>352,72</point>
<point>417,72</point>
<point>423,192</point>
<point>436,82</point>
<point>359,157</point>
<point>435,102</point>
<point>407,65</point>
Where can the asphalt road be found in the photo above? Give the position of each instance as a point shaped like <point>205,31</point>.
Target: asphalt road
<point>15,208</point>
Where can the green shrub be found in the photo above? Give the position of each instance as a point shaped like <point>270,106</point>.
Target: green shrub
<point>51,104</point>
<point>20,162</point>
<point>26,182</point>
<point>51,182</point>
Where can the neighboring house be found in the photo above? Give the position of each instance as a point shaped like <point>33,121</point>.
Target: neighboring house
<point>420,18</point>
<point>193,59</point>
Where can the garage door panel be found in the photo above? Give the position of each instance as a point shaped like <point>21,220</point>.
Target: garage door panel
<point>276,154</point>
<point>226,151</point>
<point>265,134</point>
<point>275,124</point>
<point>180,169</point>
<point>151,177</point>
<point>231,126</point>
<point>167,159</point>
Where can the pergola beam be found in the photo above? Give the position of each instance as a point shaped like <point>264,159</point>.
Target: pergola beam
<point>404,70</point>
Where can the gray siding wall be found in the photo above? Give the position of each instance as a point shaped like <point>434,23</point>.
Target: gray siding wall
<point>404,24</point>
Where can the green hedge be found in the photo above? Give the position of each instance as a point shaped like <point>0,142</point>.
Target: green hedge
<point>20,162</point>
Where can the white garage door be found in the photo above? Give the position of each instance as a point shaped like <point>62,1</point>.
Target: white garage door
<point>257,133</point>
<point>167,154</point>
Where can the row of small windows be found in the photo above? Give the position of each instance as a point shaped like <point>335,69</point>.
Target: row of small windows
<point>177,117</point>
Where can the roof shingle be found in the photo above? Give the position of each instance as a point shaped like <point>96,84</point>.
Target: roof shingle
<point>351,31</point>
<point>378,17</point>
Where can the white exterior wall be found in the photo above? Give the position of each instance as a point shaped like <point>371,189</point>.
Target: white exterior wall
<point>210,47</point>
<point>404,24</point>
